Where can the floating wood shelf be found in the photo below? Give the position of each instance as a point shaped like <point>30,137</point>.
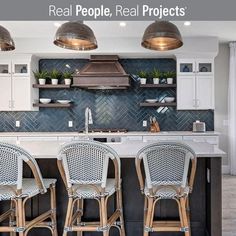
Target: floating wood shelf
<point>157,85</point>
<point>158,104</point>
<point>53,105</point>
<point>51,86</point>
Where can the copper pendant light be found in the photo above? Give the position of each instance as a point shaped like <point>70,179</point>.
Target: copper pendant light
<point>6,41</point>
<point>162,36</point>
<point>75,36</point>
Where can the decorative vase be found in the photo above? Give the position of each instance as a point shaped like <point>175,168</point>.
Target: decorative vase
<point>170,80</point>
<point>156,80</point>
<point>67,81</point>
<point>143,80</point>
<point>42,81</point>
<point>54,81</point>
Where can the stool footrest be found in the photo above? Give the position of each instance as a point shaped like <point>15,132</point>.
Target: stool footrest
<point>167,226</point>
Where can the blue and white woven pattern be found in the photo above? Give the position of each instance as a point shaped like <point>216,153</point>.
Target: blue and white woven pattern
<point>166,164</point>
<point>29,189</point>
<point>11,165</point>
<point>86,162</point>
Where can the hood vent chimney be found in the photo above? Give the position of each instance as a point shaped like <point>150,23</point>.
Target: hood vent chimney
<point>102,72</point>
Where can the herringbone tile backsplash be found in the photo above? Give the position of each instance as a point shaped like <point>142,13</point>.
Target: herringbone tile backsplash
<point>110,108</point>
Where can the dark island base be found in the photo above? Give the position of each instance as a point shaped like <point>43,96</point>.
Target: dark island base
<point>205,201</point>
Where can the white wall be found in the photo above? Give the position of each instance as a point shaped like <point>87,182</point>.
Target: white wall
<point>221,96</point>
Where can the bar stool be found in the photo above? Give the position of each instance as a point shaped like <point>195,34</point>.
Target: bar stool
<point>83,166</point>
<point>166,167</point>
<point>18,190</point>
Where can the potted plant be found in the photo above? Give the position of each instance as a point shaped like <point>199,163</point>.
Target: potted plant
<point>55,75</point>
<point>143,76</point>
<point>156,75</point>
<point>170,75</point>
<point>41,76</point>
<point>67,77</point>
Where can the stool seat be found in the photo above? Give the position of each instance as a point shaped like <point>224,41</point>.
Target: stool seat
<point>29,189</point>
<point>166,192</point>
<point>87,192</point>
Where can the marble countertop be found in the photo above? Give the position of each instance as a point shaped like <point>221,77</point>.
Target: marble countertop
<point>49,149</point>
<point>130,133</point>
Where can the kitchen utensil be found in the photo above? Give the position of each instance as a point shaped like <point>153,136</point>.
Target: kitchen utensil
<point>169,99</point>
<point>199,126</point>
<point>151,100</point>
<point>154,126</point>
<point>63,101</point>
<point>45,100</point>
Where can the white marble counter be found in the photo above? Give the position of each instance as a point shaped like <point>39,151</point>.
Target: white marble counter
<point>49,149</point>
<point>130,133</point>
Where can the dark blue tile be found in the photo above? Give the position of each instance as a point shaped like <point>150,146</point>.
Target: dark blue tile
<point>110,108</point>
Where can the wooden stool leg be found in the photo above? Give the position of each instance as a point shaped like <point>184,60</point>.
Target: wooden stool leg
<point>184,215</point>
<point>145,209</point>
<point>80,206</point>
<point>104,216</point>
<point>20,215</point>
<point>12,218</point>
<point>149,215</point>
<point>120,206</point>
<point>53,208</point>
<point>68,216</point>
<point>188,214</point>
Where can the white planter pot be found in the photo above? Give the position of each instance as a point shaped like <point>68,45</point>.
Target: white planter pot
<point>67,81</point>
<point>54,81</point>
<point>156,80</point>
<point>42,81</point>
<point>143,80</point>
<point>170,80</point>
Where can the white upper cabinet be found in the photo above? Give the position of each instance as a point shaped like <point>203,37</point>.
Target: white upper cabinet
<point>186,67</point>
<point>5,67</point>
<point>16,78</point>
<point>195,84</point>
<point>21,67</point>
<point>187,100</point>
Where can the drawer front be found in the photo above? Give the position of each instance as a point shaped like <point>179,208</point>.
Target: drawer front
<point>131,138</point>
<point>8,139</point>
<point>162,138</point>
<point>209,139</point>
<point>66,139</point>
<point>38,138</point>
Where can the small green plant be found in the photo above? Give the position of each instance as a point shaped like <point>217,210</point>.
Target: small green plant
<point>40,74</point>
<point>156,73</point>
<point>142,74</point>
<point>55,74</point>
<point>67,74</point>
<point>169,74</point>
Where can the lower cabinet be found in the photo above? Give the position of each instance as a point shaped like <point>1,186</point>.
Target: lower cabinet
<point>214,140</point>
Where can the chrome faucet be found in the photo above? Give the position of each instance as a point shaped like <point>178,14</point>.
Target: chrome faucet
<point>88,119</point>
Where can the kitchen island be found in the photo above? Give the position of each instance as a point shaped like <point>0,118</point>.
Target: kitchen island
<point>205,199</point>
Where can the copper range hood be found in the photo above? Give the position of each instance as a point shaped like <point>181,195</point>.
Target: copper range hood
<point>102,72</point>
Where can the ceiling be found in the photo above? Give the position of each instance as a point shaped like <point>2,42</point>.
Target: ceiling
<point>224,30</point>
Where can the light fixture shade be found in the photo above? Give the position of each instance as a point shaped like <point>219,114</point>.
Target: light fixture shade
<point>6,41</point>
<point>162,36</point>
<point>75,36</point>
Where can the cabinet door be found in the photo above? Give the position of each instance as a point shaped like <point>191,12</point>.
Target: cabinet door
<point>204,67</point>
<point>21,97</point>
<point>5,68</point>
<point>20,67</point>
<point>5,93</point>
<point>186,93</point>
<point>186,67</point>
<point>204,92</point>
